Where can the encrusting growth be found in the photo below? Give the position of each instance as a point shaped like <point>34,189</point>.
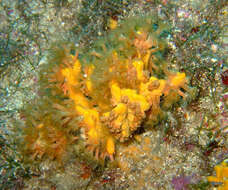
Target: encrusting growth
<point>221,175</point>
<point>117,84</point>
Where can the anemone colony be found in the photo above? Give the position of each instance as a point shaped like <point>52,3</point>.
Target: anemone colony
<point>104,94</point>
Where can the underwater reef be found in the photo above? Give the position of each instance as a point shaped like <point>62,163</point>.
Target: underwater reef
<point>113,94</point>
<point>104,93</point>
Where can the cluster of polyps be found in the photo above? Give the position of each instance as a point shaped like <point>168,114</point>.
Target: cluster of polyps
<point>118,84</point>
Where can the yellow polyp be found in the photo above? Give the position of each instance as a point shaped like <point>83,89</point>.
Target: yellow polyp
<point>110,146</point>
<point>160,89</point>
<point>90,116</point>
<point>138,138</point>
<point>106,114</point>
<point>125,130</point>
<point>89,70</point>
<point>130,116</point>
<point>129,110</point>
<point>154,87</point>
<point>77,67</point>
<point>92,134</point>
<point>110,69</point>
<point>213,179</point>
<point>146,58</point>
<point>221,175</point>
<point>89,85</point>
<point>68,74</point>
<point>120,109</point>
<point>134,97</point>
<point>178,80</point>
<point>116,92</point>
<point>40,126</point>
<point>70,77</point>
<point>79,99</point>
<point>139,31</point>
<point>114,55</point>
<point>225,171</point>
<point>112,23</point>
<point>218,170</point>
<point>139,64</point>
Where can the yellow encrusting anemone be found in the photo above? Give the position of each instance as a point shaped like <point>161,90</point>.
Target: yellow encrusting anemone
<point>221,175</point>
<point>118,84</point>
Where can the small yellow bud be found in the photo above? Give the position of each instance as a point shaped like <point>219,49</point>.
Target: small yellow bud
<point>110,146</point>
<point>112,23</point>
